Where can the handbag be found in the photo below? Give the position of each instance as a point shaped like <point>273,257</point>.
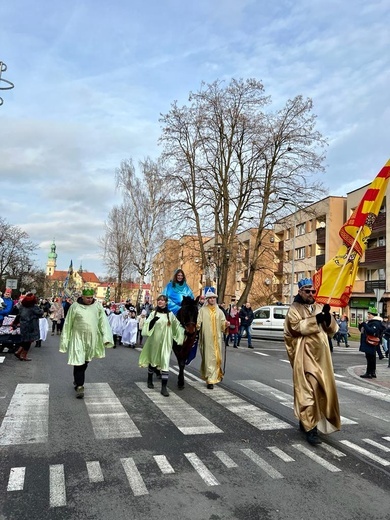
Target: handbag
<point>232,326</point>
<point>372,340</point>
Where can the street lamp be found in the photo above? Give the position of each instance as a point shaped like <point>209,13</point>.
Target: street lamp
<point>296,208</point>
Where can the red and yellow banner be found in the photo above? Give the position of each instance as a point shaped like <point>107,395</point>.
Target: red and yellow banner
<point>334,281</point>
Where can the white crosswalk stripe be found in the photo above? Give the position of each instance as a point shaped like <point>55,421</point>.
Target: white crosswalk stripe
<point>277,395</point>
<point>95,473</point>
<point>250,413</point>
<point>57,486</point>
<point>313,456</point>
<point>108,417</point>
<point>188,420</point>
<point>272,472</point>
<point>163,464</point>
<point>16,479</point>
<point>202,469</point>
<point>366,453</point>
<point>27,417</point>
<point>134,477</point>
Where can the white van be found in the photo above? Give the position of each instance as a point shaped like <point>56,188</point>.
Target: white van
<point>268,321</point>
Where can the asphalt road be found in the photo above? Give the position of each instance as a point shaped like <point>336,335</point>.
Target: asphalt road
<point>126,452</point>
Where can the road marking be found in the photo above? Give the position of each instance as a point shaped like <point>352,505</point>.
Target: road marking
<point>332,450</point>
<point>57,486</point>
<point>188,420</point>
<point>201,469</point>
<point>248,412</point>
<point>377,445</point>
<point>285,361</point>
<point>367,453</point>
<point>108,417</point>
<point>27,417</point>
<point>313,456</point>
<point>280,453</point>
<point>95,473</point>
<point>225,459</point>
<point>274,394</point>
<point>368,392</point>
<point>163,464</point>
<point>16,479</point>
<point>386,438</point>
<point>134,477</point>
<point>261,353</point>
<point>339,375</point>
<point>272,472</point>
<point>2,358</point>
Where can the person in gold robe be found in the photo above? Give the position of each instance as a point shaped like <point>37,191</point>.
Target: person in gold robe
<point>211,325</point>
<point>306,331</point>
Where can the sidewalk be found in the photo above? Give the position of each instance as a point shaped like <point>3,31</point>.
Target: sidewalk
<point>382,368</point>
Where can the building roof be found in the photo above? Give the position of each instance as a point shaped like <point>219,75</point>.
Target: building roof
<point>59,275</point>
<point>89,277</point>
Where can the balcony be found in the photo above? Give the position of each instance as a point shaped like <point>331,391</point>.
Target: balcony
<point>379,227</point>
<point>375,257</point>
<point>320,235</point>
<point>320,261</point>
<point>374,284</point>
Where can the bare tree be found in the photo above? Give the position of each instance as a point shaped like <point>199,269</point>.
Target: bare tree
<point>117,244</point>
<point>230,160</point>
<point>16,251</point>
<point>146,197</point>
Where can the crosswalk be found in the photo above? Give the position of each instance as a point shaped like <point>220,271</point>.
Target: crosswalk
<point>27,422</point>
<point>271,461</point>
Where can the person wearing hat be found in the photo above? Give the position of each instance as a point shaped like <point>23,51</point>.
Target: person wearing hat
<point>28,317</point>
<point>85,335</point>
<point>371,332</point>
<point>211,324</point>
<point>176,289</point>
<point>160,329</point>
<point>306,330</point>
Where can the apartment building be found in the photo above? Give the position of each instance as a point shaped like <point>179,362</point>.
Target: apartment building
<point>305,241</point>
<point>235,264</point>
<point>371,287</point>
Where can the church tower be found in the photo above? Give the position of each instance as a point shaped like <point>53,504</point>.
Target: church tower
<point>51,260</point>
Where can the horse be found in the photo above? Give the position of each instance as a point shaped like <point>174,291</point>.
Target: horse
<point>187,316</point>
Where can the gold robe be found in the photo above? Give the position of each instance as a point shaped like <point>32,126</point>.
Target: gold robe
<point>307,344</point>
<point>211,324</point>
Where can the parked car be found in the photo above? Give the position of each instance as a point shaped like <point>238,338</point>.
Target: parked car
<point>268,321</point>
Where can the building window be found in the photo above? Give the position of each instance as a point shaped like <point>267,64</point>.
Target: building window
<point>381,274</point>
<point>300,253</point>
<point>301,229</point>
<point>381,241</point>
<point>299,276</point>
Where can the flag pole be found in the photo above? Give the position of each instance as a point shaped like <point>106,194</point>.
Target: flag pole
<point>345,263</point>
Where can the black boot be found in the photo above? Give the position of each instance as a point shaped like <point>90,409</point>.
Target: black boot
<point>150,380</point>
<point>312,437</point>
<point>366,376</point>
<point>164,389</point>
<point>38,343</point>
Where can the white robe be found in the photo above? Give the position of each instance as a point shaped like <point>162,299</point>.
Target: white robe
<point>130,329</point>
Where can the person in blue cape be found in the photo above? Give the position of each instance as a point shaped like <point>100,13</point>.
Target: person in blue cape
<point>175,290</point>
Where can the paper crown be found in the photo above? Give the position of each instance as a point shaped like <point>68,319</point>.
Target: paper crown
<point>373,310</point>
<point>304,282</point>
<point>88,292</point>
<point>210,294</point>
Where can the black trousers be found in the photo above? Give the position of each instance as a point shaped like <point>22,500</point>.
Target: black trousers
<point>371,363</point>
<point>79,374</point>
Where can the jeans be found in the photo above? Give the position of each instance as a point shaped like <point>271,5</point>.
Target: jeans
<point>247,328</point>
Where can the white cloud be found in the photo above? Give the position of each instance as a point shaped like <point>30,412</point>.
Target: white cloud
<point>91,80</point>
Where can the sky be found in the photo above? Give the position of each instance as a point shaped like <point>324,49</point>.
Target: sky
<point>92,78</point>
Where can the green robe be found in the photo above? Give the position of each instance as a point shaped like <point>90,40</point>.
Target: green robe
<point>86,333</point>
<point>158,347</point>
